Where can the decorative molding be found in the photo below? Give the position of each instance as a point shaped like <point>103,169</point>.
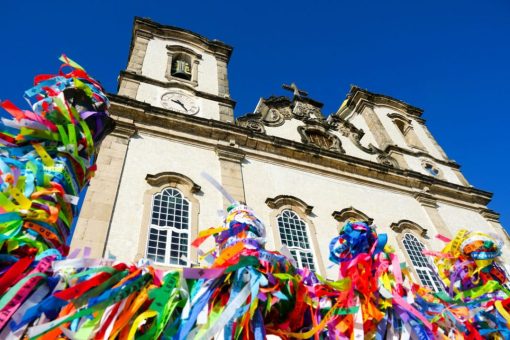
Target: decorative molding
<point>387,160</point>
<point>303,111</point>
<point>216,47</point>
<point>490,215</point>
<point>402,225</point>
<point>350,212</point>
<point>172,179</point>
<point>426,199</point>
<point>418,154</point>
<point>157,121</point>
<point>399,116</point>
<point>144,34</point>
<point>282,200</point>
<point>182,49</point>
<point>252,121</point>
<point>316,134</point>
<point>230,153</point>
<point>177,84</point>
<point>359,98</point>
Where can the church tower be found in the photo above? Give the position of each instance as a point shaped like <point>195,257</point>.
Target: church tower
<point>178,70</point>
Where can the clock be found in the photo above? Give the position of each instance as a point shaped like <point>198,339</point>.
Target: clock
<point>180,102</point>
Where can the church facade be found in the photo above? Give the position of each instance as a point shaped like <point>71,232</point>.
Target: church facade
<point>304,174</point>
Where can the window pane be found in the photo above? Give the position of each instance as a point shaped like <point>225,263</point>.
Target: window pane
<point>169,227</point>
<point>423,267</point>
<point>294,234</point>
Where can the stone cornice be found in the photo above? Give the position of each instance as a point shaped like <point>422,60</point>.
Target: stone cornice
<point>490,215</point>
<point>426,200</point>
<point>147,26</point>
<point>230,153</point>
<point>449,163</point>
<point>163,122</point>
<point>143,79</point>
<point>359,97</point>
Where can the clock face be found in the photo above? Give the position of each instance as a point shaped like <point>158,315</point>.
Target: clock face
<point>180,102</point>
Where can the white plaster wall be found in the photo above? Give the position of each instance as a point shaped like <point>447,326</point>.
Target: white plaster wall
<point>447,173</point>
<point>152,155</point>
<point>151,94</point>
<point>288,130</point>
<point>326,195</point>
<point>426,140</point>
<point>156,59</point>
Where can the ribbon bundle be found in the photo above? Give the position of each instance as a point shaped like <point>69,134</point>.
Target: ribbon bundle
<point>47,156</point>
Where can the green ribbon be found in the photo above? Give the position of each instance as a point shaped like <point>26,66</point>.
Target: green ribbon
<point>244,261</point>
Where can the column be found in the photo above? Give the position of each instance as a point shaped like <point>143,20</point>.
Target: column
<point>429,204</point>
<point>96,212</point>
<point>138,52</point>
<point>375,125</point>
<point>231,157</point>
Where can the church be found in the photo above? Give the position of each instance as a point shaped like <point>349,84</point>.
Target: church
<point>303,173</point>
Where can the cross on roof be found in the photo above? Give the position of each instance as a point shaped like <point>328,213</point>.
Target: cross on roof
<point>297,92</point>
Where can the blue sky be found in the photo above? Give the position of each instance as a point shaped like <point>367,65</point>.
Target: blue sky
<point>450,58</point>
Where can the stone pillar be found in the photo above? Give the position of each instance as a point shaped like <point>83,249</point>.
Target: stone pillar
<point>96,212</point>
<point>375,125</point>
<point>226,113</point>
<point>412,139</point>
<point>223,88</point>
<point>231,157</point>
<point>137,55</point>
<point>429,204</point>
<point>128,87</point>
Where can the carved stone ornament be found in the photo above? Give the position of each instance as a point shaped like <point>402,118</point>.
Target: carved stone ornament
<point>347,129</point>
<point>304,110</point>
<point>316,134</point>
<point>252,121</point>
<point>273,117</point>
<point>387,160</point>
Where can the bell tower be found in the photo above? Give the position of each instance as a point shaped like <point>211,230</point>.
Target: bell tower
<point>178,70</point>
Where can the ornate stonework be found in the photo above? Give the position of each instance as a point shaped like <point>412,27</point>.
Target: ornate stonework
<point>315,133</point>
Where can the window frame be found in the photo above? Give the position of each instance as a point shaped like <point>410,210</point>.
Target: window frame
<point>429,270</point>
<point>175,50</point>
<point>188,189</point>
<point>350,214</point>
<point>304,211</point>
<point>406,227</point>
<point>296,251</point>
<point>170,232</point>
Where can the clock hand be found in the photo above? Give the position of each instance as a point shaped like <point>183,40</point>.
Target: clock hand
<point>180,103</point>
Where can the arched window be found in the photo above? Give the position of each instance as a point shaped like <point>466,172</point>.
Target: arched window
<point>169,230</point>
<point>294,234</point>
<point>350,214</point>
<point>421,264</point>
